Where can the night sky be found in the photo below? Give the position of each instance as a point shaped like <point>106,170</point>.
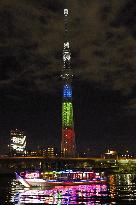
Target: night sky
<point>102,36</point>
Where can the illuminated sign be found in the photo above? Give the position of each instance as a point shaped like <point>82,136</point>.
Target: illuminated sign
<point>18,142</point>
<point>32,175</point>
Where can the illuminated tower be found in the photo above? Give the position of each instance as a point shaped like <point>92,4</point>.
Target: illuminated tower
<point>68,145</point>
<point>17,142</point>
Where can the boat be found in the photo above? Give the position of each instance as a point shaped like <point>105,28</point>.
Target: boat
<point>62,178</point>
<point>28,183</point>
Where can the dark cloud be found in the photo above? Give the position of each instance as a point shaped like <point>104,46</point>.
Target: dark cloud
<point>131,106</point>
<point>29,43</point>
<point>126,16</point>
<point>106,51</point>
<point>103,48</point>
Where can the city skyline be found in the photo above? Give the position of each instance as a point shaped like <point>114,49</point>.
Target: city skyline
<point>102,39</point>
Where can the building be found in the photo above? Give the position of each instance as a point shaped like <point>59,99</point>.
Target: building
<point>111,154</point>
<point>68,145</point>
<point>48,152</point>
<point>17,142</point>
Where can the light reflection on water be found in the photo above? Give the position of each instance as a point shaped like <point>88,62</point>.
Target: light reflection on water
<point>125,187</point>
<point>64,195</point>
<point>119,189</point>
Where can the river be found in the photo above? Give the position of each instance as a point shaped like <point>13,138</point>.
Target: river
<point>120,189</point>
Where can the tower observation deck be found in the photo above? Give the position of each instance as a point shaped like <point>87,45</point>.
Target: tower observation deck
<point>68,145</point>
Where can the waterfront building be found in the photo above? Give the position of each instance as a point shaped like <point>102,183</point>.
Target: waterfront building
<point>68,145</point>
<point>17,142</point>
<point>111,154</point>
<point>44,152</point>
<point>50,152</point>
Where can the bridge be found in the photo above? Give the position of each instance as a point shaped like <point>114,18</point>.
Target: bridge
<point>11,164</point>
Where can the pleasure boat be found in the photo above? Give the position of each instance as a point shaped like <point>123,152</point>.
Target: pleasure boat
<point>62,178</point>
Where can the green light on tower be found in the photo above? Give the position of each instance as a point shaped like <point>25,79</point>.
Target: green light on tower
<point>67,114</point>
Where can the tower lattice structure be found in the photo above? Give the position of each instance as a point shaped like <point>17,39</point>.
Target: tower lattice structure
<point>68,145</point>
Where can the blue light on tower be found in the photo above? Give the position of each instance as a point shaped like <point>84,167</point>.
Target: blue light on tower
<point>67,91</point>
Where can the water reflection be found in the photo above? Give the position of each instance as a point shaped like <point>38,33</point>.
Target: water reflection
<point>90,194</point>
<point>65,195</point>
<point>119,189</point>
<point>125,187</point>
<point>112,186</point>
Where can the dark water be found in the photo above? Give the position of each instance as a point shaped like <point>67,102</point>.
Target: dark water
<point>120,189</point>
